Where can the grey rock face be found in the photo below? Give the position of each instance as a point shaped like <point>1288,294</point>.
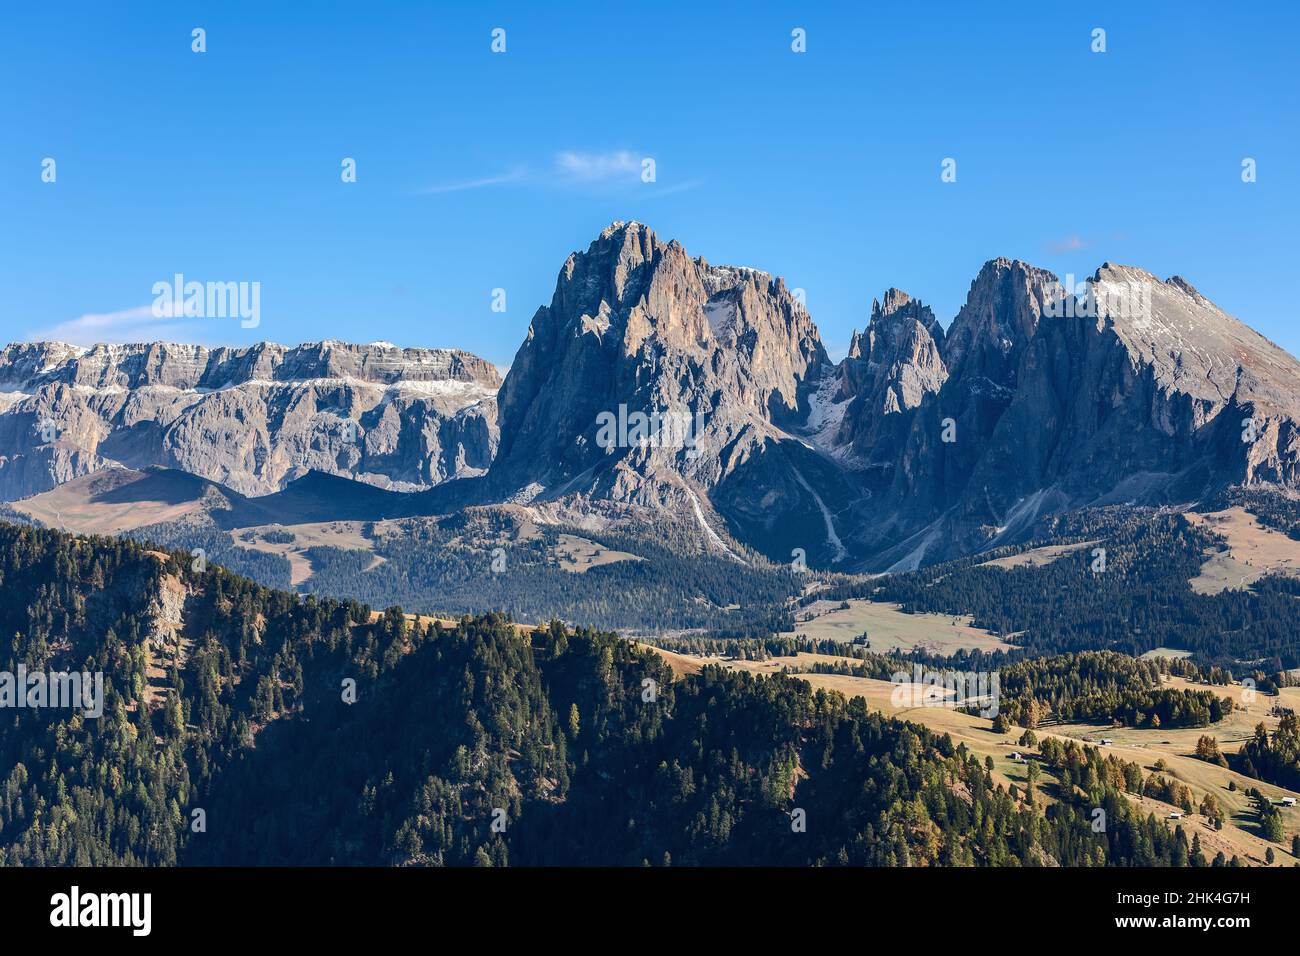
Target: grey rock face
<point>889,372</point>
<point>920,445</point>
<point>981,355</point>
<point>637,322</point>
<point>1140,390</point>
<point>636,325</point>
<point>252,418</point>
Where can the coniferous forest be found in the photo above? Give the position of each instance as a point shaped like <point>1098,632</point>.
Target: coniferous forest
<point>1140,601</point>
<point>246,725</point>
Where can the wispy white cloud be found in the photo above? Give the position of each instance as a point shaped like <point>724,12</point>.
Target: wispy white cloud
<point>598,167</point>
<point>574,170</point>
<point>513,176</point>
<point>138,324</point>
<point>1068,244</point>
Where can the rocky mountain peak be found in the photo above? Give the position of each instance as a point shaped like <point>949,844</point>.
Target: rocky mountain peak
<point>637,324</point>
<point>890,370</point>
<point>1002,311</point>
<point>897,314</point>
<point>1191,345</point>
<point>895,299</point>
<point>919,445</point>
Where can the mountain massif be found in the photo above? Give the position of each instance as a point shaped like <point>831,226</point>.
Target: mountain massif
<point>656,385</point>
<point>252,419</point>
<point>921,444</point>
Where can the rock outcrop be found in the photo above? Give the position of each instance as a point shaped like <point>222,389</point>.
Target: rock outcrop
<point>718,358</point>
<point>252,418</point>
<point>1139,390</point>
<point>657,382</point>
<point>889,372</point>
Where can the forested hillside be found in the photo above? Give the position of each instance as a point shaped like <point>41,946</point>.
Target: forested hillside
<point>479,744</point>
<point>1137,600</point>
<point>1086,686</point>
<point>479,561</point>
<point>1103,685</point>
<point>1275,759</point>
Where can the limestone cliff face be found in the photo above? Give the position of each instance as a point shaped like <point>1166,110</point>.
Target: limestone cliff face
<point>889,372</point>
<point>1139,390</point>
<point>638,326</point>
<point>198,367</point>
<point>656,380</point>
<point>251,418</point>
<point>935,461</point>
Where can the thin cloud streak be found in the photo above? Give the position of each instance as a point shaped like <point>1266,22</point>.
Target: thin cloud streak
<point>514,176</point>
<point>137,324</point>
<point>570,169</point>
<point>598,167</point>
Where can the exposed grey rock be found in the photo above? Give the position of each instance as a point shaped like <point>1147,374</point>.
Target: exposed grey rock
<point>889,372</point>
<point>251,418</point>
<point>981,356</point>
<point>637,324</point>
<point>1141,390</point>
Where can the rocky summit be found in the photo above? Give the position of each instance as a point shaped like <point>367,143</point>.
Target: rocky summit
<point>655,383</point>
<point>726,357</point>
<point>921,444</point>
<point>252,419</point>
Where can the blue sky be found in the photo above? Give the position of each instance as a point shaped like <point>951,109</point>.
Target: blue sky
<point>479,171</point>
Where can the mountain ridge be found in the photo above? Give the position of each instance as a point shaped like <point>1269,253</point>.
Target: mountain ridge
<point>656,381</point>
<point>250,418</point>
